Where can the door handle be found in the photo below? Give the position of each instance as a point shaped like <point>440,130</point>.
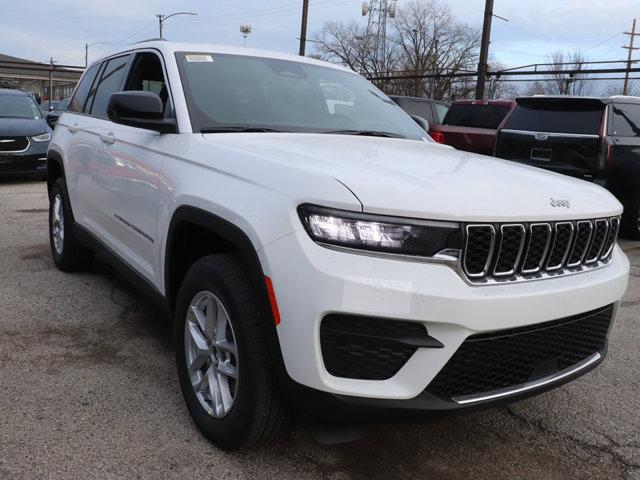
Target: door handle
<point>108,138</point>
<point>72,128</point>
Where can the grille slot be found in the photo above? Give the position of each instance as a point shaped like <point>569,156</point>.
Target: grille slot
<point>584,230</point>
<point>561,243</point>
<point>511,245</point>
<point>508,358</point>
<point>478,249</point>
<point>614,226</point>
<point>539,240</point>
<point>600,231</point>
<point>13,144</point>
<point>505,252</point>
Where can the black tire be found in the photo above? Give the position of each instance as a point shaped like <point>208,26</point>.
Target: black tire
<point>259,415</point>
<point>631,221</point>
<point>72,256</point>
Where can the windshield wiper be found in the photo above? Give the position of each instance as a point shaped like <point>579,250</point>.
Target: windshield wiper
<point>365,133</point>
<point>240,130</point>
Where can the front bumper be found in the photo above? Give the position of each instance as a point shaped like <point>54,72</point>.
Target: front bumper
<point>326,281</point>
<point>32,161</point>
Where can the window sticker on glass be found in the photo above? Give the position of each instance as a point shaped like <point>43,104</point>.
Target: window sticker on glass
<point>199,58</point>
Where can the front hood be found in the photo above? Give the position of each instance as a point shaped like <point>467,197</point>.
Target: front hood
<point>22,127</point>
<point>427,180</point>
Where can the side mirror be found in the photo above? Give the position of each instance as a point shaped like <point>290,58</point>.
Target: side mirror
<point>422,122</point>
<point>52,119</point>
<point>139,109</point>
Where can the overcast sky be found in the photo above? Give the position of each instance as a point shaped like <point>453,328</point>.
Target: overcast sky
<point>38,29</point>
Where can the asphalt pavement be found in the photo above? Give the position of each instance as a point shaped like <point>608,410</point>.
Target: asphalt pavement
<point>88,389</point>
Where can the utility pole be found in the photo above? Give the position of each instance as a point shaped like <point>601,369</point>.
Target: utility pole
<point>160,19</point>
<point>484,49</point>
<point>50,81</point>
<point>632,34</point>
<point>303,28</point>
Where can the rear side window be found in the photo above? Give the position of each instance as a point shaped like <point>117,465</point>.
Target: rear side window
<point>419,108</point>
<point>557,118</point>
<point>626,120</point>
<point>476,116</point>
<point>110,81</point>
<point>82,91</point>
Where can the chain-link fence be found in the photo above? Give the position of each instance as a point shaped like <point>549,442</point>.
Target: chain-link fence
<point>456,86</point>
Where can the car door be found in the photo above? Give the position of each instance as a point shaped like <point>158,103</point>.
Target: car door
<point>128,163</point>
<point>73,136</point>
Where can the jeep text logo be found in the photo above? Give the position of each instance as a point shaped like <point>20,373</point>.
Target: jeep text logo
<point>559,203</point>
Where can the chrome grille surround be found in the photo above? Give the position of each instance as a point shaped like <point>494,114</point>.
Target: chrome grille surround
<point>530,251</point>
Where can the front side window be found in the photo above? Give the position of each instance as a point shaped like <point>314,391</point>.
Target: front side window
<point>238,91</point>
<point>441,111</point>
<point>626,120</point>
<point>18,106</point>
<point>419,108</point>
<point>110,82</point>
<point>82,90</point>
<point>147,75</point>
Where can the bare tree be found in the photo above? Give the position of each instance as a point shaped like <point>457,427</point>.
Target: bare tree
<point>425,41</point>
<point>573,83</point>
<point>350,45</point>
<point>432,42</point>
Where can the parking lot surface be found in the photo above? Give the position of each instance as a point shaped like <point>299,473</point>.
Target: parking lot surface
<point>88,389</point>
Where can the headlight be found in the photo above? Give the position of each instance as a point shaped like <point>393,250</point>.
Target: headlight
<point>379,233</point>
<point>45,137</point>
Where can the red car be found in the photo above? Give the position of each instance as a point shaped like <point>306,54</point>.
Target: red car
<point>471,125</point>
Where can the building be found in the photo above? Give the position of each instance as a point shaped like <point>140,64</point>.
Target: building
<point>38,78</point>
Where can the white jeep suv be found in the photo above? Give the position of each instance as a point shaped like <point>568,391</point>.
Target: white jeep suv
<point>320,255</point>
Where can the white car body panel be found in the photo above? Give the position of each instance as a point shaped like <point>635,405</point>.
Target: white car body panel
<point>256,181</point>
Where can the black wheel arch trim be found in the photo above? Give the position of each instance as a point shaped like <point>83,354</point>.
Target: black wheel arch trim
<point>249,255</point>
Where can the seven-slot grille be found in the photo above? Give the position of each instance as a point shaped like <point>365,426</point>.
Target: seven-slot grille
<point>13,144</point>
<point>528,249</point>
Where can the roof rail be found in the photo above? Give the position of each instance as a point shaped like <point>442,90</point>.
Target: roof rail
<point>151,40</point>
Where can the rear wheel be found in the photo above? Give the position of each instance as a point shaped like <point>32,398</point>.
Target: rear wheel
<point>67,253</point>
<point>223,365</point>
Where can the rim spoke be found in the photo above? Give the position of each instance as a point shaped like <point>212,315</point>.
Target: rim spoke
<point>200,342</point>
<point>226,346</point>
<point>202,322</point>
<point>216,394</point>
<point>225,368</point>
<point>225,393</point>
<point>221,324</point>
<point>211,318</point>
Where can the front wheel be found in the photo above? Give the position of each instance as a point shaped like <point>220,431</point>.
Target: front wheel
<point>223,365</point>
<point>67,253</point>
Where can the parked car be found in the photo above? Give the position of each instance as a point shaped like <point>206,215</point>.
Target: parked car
<point>471,125</point>
<point>24,135</point>
<point>433,111</point>
<point>47,106</point>
<point>314,264</point>
<point>595,139</point>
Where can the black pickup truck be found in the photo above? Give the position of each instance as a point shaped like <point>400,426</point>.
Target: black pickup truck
<point>596,139</point>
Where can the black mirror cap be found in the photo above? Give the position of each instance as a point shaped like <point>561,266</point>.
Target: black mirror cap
<point>422,122</point>
<point>139,109</point>
<point>52,118</point>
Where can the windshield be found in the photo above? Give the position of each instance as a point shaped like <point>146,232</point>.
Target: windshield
<point>246,93</point>
<point>18,106</point>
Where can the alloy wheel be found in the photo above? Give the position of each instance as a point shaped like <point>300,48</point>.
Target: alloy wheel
<point>211,354</point>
